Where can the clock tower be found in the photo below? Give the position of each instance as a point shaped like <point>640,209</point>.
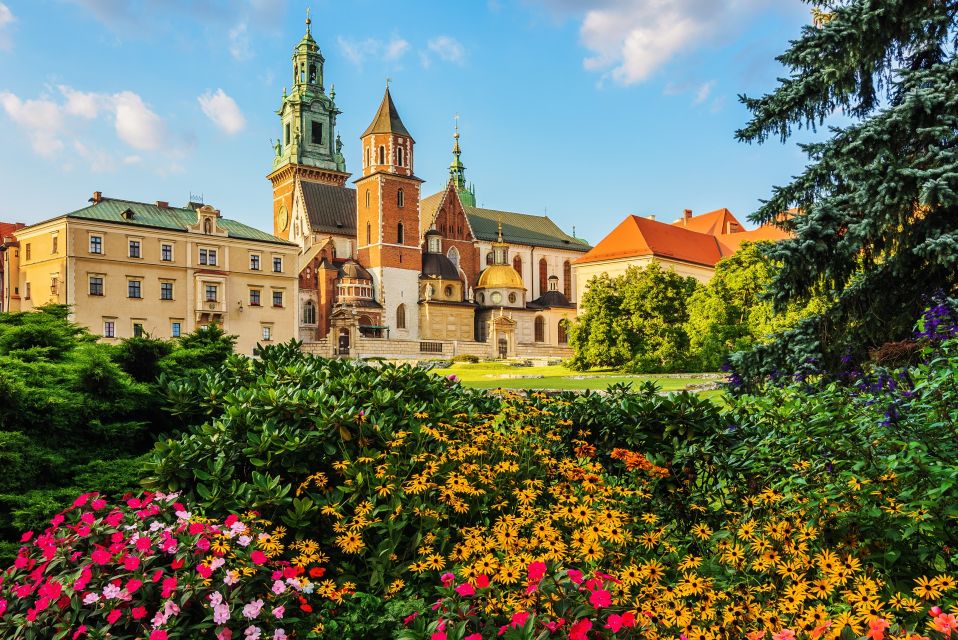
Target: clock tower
<point>308,148</point>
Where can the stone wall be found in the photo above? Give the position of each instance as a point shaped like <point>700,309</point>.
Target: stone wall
<point>411,349</point>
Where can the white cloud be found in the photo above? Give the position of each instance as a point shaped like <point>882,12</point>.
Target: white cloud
<point>239,43</point>
<point>6,19</point>
<point>359,51</point>
<point>447,48</point>
<point>85,105</point>
<point>703,92</point>
<point>41,120</point>
<point>135,123</point>
<point>631,39</point>
<point>223,111</point>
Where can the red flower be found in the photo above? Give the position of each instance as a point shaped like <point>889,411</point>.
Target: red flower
<point>196,528</point>
<point>138,613</point>
<point>408,619</point>
<point>158,634</point>
<point>82,500</point>
<point>600,598</point>
<point>580,630</point>
<point>132,585</point>
<point>482,581</point>
<point>113,616</point>
<point>79,632</point>
<point>131,562</point>
<point>317,572</point>
<point>177,564</point>
<point>575,575</point>
<point>465,590</point>
<point>26,537</point>
<point>258,557</point>
<point>306,608</point>
<point>98,504</point>
<point>537,571</point>
<point>169,586</point>
<point>100,556</point>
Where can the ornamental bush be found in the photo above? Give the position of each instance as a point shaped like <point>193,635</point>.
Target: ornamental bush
<point>147,567</point>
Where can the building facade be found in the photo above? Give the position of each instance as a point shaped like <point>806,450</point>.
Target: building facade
<point>9,260</point>
<point>384,270</point>
<point>130,268</point>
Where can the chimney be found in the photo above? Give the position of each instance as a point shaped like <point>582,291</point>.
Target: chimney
<point>652,217</point>
<point>97,197</point>
<point>686,216</point>
<point>163,204</point>
<point>728,227</point>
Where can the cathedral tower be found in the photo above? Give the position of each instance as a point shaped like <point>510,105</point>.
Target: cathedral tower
<point>387,212</point>
<point>308,148</point>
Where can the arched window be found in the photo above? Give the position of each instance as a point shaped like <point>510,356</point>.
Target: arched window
<point>309,312</point>
<point>453,256</point>
<point>401,316</point>
<point>312,73</point>
<point>382,154</point>
<point>366,158</point>
<point>401,198</point>
<point>369,233</point>
<point>517,264</point>
<point>563,337</point>
<point>540,329</point>
<point>543,276</point>
<point>400,234</point>
<point>400,160</point>
<point>302,72</point>
<point>367,198</point>
<point>567,279</point>
<point>489,258</point>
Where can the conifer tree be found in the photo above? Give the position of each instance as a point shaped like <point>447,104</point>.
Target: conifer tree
<point>876,230</point>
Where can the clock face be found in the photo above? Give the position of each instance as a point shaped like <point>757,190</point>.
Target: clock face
<point>283,218</point>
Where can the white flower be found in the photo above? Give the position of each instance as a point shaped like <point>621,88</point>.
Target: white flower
<point>90,598</point>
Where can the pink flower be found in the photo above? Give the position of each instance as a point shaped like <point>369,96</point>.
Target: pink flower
<point>98,504</point>
<point>439,635</point>
<point>278,587</point>
<point>79,632</point>
<point>258,557</point>
<point>158,634</point>
<point>465,590</point>
<point>537,571</point>
<point>519,619</point>
<point>575,575</point>
<point>408,619</point>
<point>279,612</point>
<point>447,579</point>
<point>614,622</point>
<point>204,570</point>
<point>784,634</point>
<point>555,625</point>
<point>131,563</point>
<point>600,598</point>
<point>3,606</point>
<point>221,613</point>
<point>473,636</point>
<point>82,500</point>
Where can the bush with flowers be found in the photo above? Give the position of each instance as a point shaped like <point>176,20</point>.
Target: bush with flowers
<point>148,568</point>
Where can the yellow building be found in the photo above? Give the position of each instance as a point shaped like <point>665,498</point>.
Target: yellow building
<point>129,268</point>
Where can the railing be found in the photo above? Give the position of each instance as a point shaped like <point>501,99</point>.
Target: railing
<point>430,347</point>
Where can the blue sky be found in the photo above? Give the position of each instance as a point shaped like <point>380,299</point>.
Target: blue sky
<point>588,110</point>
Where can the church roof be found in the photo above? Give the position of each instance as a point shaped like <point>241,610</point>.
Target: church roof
<point>387,119</point>
<point>436,265</point>
<point>637,236</point>
<point>331,209</point>
<point>500,275</point>
<point>730,243</point>
<point>159,217</point>
<point>551,300</point>
<point>521,228</point>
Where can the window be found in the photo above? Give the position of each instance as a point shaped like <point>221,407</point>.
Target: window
<point>109,329</point>
<point>133,289</point>
<point>563,337</point>
<point>254,262</point>
<point>287,134</point>
<point>369,233</point>
<point>317,132</point>
<point>366,160</point>
<point>480,298</point>
<point>166,252</point>
<point>453,256</point>
<point>382,154</point>
<point>138,330</point>
<point>96,244</point>
<point>277,298</point>
<point>175,329</point>
<point>55,283</point>
<point>309,312</point>
<point>27,256</point>
<point>55,240</point>
<point>203,256</point>
<point>254,297</point>
<point>543,276</point>
<point>401,198</point>
<point>517,264</point>
<point>567,279</point>
<point>208,257</point>
<point>540,329</point>
<point>135,249</point>
<point>401,316</point>
<point>448,291</point>
<point>512,298</point>
<point>277,264</point>
<point>211,292</point>
<point>267,332</point>
<point>26,290</point>
<point>96,285</point>
<point>400,234</point>
<point>166,291</point>
<point>367,198</point>
<point>489,258</point>
<point>213,257</point>
<point>399,158</point>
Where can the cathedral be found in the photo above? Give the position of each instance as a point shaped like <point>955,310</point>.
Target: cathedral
<point>386,271</point>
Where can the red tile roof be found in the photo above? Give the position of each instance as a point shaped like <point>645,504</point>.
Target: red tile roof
<point>733,242</point>
<point>7,228</point>
<point>637,236</point>
<point>713,223</point>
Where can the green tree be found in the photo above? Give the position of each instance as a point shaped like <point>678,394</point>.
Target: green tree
<point>876,229</point>
<point>733,312</point>
<point>634,321</point>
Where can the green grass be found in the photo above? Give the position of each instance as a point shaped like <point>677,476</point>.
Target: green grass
<point>488,375</point>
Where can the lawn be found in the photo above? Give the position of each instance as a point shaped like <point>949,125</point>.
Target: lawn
<point>494,375</point>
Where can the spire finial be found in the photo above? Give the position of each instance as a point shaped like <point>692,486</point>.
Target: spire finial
<point>308,19</point>
<point>388,80</point>
<point>500,228</point>
<point>456,134</point>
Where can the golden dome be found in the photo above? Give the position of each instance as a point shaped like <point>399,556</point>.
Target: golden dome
<point>500,275</point>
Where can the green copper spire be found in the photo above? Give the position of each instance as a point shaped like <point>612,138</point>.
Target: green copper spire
<point>307,114</point>
<point>457,173</point>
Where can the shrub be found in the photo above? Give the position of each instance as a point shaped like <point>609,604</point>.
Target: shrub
<point>466,357</point>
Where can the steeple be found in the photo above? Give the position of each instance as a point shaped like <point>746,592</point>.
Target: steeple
<point>387,143</point>
<point>387,119</point>
<point>457,172</point>
<point>500,248</point>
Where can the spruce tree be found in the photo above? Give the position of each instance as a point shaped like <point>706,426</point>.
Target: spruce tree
<point>874,212</point>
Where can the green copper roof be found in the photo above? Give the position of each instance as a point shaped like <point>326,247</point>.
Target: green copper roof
<point>521,228</point>
<point>387,119</point>
<point>172,218</point>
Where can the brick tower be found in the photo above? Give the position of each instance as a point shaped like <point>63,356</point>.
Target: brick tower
<point>387,212</point>
<point>308,149</point>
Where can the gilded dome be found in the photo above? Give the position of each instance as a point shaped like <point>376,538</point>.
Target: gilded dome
<point>500,275</point>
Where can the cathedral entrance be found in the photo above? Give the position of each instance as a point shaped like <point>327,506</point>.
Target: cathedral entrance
<point>343,348</point>
<point>503,347</point>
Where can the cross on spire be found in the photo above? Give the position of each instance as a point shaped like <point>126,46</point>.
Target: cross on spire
<point>308,19</point>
